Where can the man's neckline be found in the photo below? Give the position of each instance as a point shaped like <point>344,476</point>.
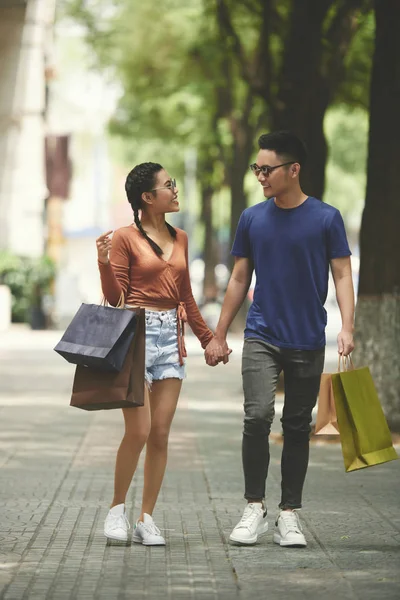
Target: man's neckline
<point>289,208</point>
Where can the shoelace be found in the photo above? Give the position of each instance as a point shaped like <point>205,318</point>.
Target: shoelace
<point>121,521</point>
<point>151,528</point>
<point>291,521</point>
<point>249,516</point>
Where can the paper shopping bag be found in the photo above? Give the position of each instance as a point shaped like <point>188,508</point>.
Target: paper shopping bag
<point>326,421</point>
<point>95,389</point>
<point>99,337</point>
<point>364,432</point>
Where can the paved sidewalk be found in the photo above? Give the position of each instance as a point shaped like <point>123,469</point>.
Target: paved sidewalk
<point>56,472</point>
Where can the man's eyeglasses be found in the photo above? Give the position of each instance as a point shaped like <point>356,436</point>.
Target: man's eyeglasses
<point>171,185</point>
<point>266,169</point>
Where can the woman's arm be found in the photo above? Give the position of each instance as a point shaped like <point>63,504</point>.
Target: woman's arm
<point>113,262</point>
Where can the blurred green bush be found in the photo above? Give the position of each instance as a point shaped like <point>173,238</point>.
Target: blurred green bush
<point>30,280</point>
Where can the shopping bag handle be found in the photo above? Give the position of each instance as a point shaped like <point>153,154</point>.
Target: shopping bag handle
<point>121,301</point>
<point>345,363</point>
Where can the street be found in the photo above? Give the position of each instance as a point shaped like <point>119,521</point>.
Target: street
<point>56,478</point>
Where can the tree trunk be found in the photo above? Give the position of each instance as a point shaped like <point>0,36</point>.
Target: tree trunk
<point>318,40</point>
<point>302,97</point>
<point>244,143</point>
<point>378,305</point>
<point>237,173</point>
<point>210,250</point>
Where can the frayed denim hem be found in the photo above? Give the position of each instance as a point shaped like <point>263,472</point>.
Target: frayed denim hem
<point>149,379</point>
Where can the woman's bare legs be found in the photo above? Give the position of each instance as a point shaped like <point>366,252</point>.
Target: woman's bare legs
<point>163,400</point>
<point>137,428</point>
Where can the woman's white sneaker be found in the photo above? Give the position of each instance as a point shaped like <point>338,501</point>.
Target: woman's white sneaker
<point>288,530</point>
<point>116,524</point>
<point>252,524</point>
<point>147,533</point>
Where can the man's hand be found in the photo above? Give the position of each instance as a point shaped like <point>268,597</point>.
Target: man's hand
<point>103,244</point>
<point>217,351</point>
<point>345,342</point>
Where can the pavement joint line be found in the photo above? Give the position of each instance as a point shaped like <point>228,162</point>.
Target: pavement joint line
<point>188,558</point>
<point>126,563</point>
<point>330,558</point>
<point>35,575</point>
<point>7,458</point>
<point>379,512</point>
<point>100,580</point>
<point>60,567</point>
<point>79,576</point>
<point>207,553</point>
<point>168,558</point>
<point>214,509</point>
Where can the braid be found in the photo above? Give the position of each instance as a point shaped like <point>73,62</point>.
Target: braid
<point>155,246</point>
<point>139,180</point>
<point>171,229</point>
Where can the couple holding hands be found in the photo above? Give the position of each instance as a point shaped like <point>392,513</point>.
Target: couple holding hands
<point>290,240</point>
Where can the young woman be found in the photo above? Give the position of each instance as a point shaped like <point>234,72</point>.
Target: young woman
<point>148,263</point>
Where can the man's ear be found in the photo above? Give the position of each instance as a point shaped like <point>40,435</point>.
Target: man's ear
<point>295,169</point>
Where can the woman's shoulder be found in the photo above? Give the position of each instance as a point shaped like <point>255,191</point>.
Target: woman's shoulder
<point>125,233</point>
<point>181,235</point>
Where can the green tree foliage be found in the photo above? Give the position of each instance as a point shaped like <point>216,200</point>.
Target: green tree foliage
<point>213,74</point>
<point>347,133</point>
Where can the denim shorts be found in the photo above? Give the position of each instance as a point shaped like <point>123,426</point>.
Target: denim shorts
<point>162,356</point>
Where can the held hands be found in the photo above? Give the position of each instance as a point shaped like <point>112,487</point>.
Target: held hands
<point>103,244</point>
<point>217,351</point>
<point>345,342</point>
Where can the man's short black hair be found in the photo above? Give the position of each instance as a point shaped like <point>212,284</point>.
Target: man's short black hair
<point>284,143</point>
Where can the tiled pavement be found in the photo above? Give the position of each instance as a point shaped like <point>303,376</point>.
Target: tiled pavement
<point>56,470</point>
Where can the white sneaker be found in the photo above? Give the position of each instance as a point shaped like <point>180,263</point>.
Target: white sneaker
<point>147,533</point>
<point>251,525</point>
<point>116,524</point>
<point>288,530</point>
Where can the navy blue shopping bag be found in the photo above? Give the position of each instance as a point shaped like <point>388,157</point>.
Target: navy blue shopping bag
<point>98,337</point>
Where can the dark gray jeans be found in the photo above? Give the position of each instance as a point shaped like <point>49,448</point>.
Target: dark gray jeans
<point>261,366</point>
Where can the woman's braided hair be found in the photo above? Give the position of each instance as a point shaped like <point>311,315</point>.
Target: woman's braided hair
<point>142,179</point>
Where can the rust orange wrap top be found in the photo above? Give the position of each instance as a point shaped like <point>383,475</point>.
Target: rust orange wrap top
<point>147,280</point>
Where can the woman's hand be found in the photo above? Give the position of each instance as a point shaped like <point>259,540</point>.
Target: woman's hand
<point>103,244</point>
<point>217,351</point>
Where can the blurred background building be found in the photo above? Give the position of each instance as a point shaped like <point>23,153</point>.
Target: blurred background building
<point>26,35</point>
<point>54,163</point>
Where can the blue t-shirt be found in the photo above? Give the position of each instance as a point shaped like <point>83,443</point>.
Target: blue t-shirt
<point>291,249</point>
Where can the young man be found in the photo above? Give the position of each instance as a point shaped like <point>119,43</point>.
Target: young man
<point>290,240</point>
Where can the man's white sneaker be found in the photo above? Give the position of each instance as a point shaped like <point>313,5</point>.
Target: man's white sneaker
<point>288,531</point>
<point>116,524</point>
<point>251,525</point>
<point>147,533</point>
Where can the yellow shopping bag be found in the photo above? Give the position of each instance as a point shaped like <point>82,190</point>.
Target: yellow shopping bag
<point>364,432</point>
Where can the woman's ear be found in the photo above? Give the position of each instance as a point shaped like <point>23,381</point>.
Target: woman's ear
<point>146,197</point>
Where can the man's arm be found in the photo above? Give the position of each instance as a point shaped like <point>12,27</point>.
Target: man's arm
<point>237,289</point>
<point>341,272</point>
